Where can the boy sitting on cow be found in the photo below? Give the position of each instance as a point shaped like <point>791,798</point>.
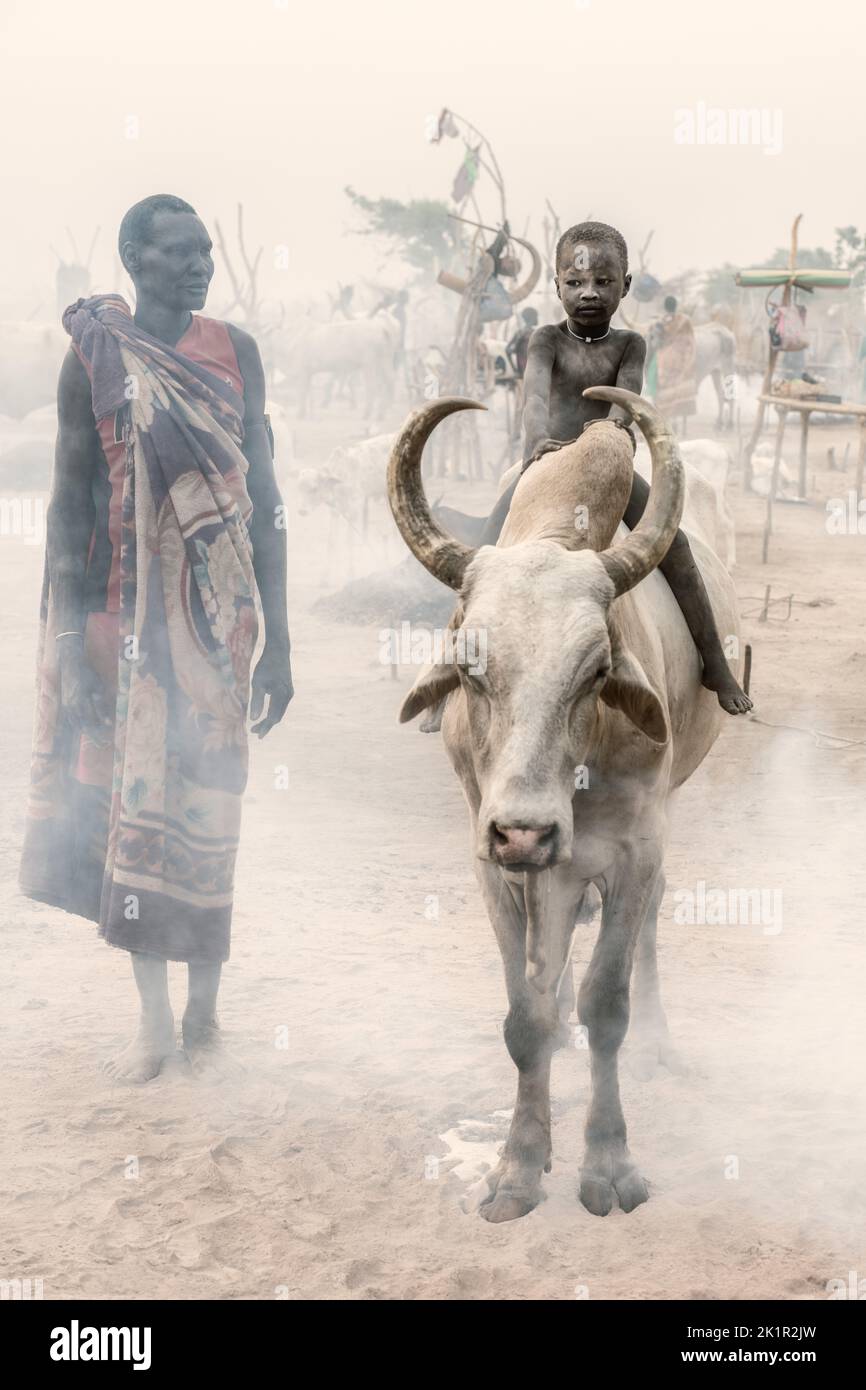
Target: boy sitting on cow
<point>564,359</point>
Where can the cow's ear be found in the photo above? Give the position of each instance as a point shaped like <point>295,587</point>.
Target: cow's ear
<point>628,690</point>
<point>431,686</point>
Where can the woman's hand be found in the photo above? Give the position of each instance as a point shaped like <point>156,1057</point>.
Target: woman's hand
<point>272,677</point>
<point>83,697</point>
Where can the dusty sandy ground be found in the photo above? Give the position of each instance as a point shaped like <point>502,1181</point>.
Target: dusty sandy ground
<point>365,1027</point>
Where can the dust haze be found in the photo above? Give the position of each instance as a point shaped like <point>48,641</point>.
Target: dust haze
<point>369,1088</point>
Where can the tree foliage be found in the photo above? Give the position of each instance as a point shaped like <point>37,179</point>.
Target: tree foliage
<point>816,257</point>
<point>419,230</point>
<point>849,253</point>
<point>720,287</point>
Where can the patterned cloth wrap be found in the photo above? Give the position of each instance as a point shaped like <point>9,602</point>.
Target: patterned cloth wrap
<point>152,859</point>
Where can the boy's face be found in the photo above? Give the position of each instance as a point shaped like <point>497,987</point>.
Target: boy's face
<point>590,282</point>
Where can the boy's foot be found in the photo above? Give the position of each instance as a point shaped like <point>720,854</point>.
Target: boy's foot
<point>142,1060</point>
<point>732,698</point>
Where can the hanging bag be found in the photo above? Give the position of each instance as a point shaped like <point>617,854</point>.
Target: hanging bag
<point>788,327</point>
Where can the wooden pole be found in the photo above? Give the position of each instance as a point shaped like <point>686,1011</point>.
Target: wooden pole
<point>774,483</point>
<point>805,416</point>
<point>861,460</point>
<point>764,613</point>
<point>766,389</point>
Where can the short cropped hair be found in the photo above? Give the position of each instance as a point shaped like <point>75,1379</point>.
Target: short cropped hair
<point>137,224</point>
<point>597,232</point>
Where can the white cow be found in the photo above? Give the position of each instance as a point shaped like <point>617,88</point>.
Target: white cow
<point>31,355</point>
<point>27,450</point>
<point>351,488</point>
<point>569,738</point>
<point>344,350</point>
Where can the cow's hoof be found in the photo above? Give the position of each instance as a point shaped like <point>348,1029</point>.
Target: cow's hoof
<point>631,1189</point>
<point>506,1206</point>
<point>505,1194</point>
<point>650,1055</point>
<point>606,1175</point>
<point>596,1194</point>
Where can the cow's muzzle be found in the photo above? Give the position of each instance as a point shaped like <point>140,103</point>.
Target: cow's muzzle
<point>524,848</point>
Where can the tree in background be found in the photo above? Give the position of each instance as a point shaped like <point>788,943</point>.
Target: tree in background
<point>420,230</point>
<point>849,253</point>
<point>817,258</point>
<point>719,286</point>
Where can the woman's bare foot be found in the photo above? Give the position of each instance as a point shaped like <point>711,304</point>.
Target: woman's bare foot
<point>142,1060</point>
<point>203,1045</point>
<point>732,698</point>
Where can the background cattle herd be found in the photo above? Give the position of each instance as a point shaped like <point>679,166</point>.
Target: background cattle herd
<point>344,368</point>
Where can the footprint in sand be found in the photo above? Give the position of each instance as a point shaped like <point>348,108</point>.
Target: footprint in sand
<point>476,1145</point>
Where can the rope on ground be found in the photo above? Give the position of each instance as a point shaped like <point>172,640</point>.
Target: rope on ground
<point>821,739</point>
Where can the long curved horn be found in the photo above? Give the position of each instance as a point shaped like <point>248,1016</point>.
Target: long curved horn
<point>635,557</point>
<point>627,321</point>
<point>444,557</point>
<point>524,290</point>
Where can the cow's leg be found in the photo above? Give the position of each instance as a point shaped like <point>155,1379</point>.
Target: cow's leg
<point>350,549</point>
<point>513,1188</point>
<point>565,995</point>
<point>565,1002</point>
<point>304,385</point>
<point>387,386</point>
<point>649,1026</point>
<point>603,1007</point>
<point>371,392</point>
<point>716,380</point>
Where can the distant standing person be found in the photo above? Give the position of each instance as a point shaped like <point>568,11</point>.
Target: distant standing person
<point>164,535</point>
<point>671,368</point>
<point>517,352</point>
<point>517,348</point>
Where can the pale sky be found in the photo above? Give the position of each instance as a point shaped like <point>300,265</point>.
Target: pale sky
<point>283,104</point>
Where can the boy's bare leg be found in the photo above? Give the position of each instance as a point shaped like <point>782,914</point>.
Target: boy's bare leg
<point>496,519</point>
<point>689,590</point>
<point>200,1027</point>
<point>154,1041</point>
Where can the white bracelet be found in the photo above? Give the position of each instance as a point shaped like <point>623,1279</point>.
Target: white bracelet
<point>68,634</point>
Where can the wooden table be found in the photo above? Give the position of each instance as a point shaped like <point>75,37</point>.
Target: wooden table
<point>805,406</point>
